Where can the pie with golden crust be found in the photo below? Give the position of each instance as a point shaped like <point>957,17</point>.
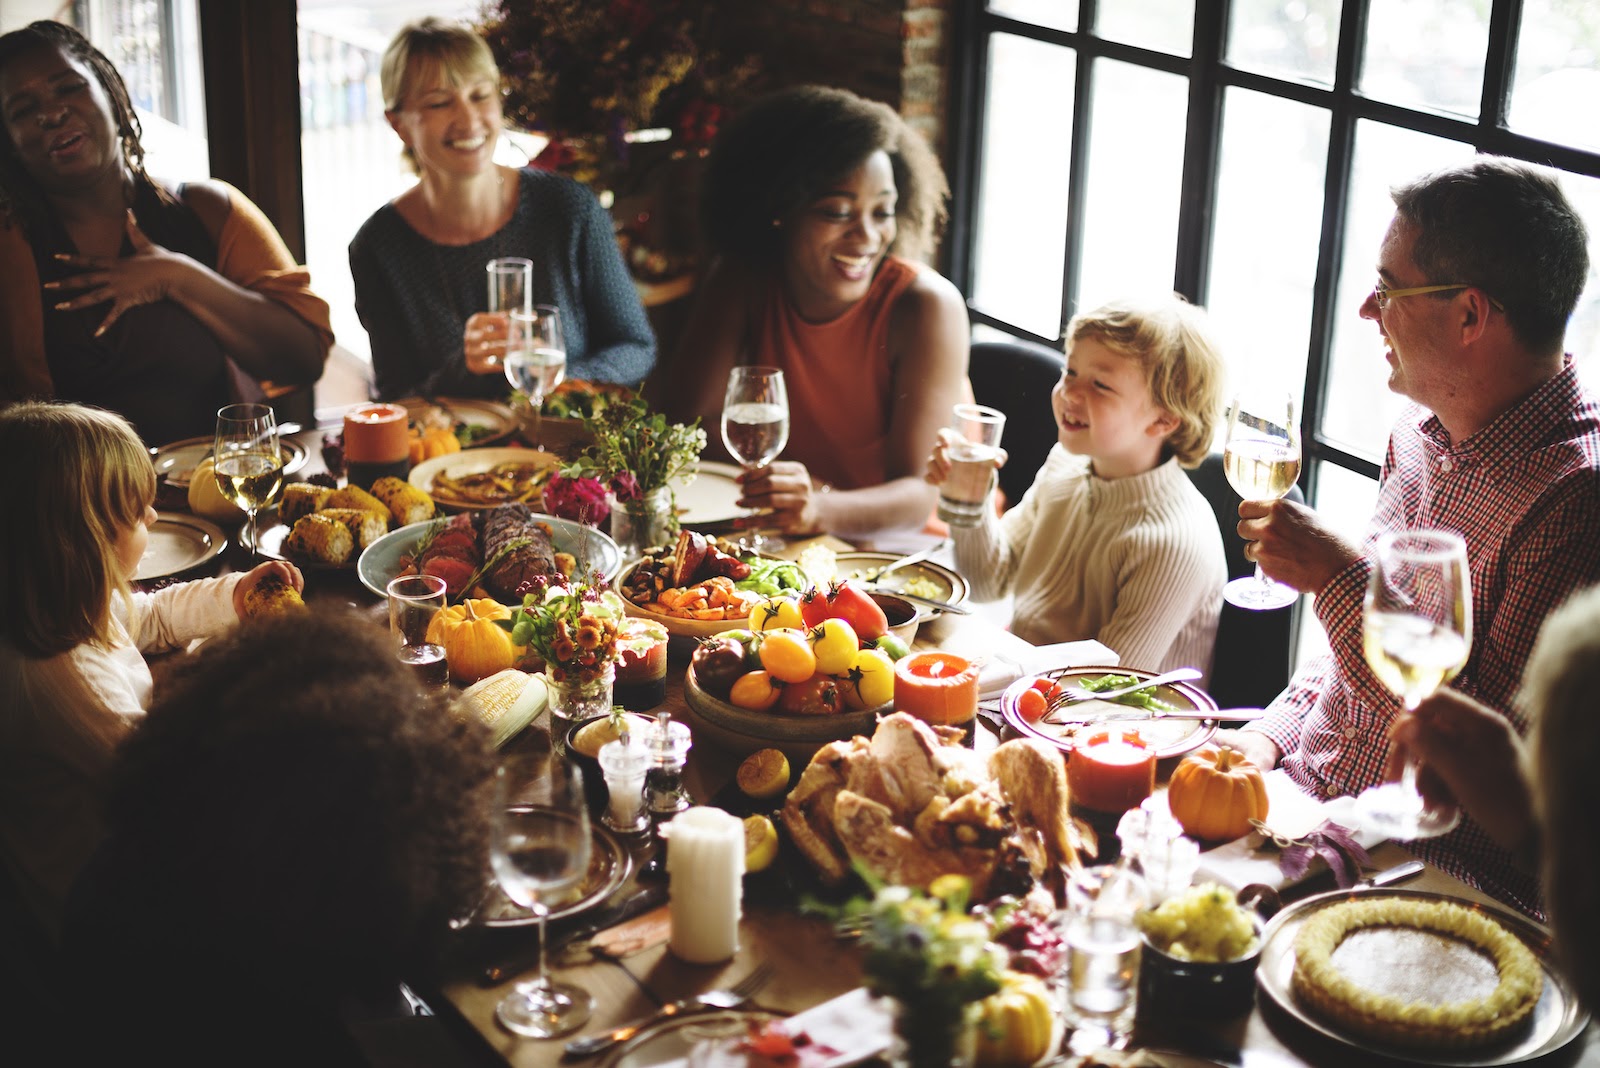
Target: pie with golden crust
<point>1325,989</point>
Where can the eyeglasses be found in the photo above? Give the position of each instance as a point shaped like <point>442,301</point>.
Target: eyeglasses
<point>1383,294</point>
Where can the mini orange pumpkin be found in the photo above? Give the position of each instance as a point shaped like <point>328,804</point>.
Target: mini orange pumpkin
<point>474,643</point>
<point>436,441</point>
<point>1216,792</point>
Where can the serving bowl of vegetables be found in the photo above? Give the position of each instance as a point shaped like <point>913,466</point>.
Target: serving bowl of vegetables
<point>1201,949</point>
<point>701,585</point>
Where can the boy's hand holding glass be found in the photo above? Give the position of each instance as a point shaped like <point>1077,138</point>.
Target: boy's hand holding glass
<point>971,460</point>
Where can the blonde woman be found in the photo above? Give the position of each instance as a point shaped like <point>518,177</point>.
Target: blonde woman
<point>418,262</point>
<point>72,634</point>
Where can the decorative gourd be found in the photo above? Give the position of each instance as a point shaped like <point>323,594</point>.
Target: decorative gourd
<point>435,441</point>
<point>205,496</point>
<point>1016,1024</point>
<point>1216,792</point>
<point>474,643</point>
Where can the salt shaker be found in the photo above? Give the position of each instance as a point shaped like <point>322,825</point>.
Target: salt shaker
<point>705,865</point>
<point>625,763</point>
<point>669,749</point>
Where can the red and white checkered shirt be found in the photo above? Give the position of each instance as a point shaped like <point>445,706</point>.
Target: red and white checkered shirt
<point>1525,494</point>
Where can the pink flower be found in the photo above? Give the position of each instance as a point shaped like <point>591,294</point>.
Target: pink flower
<point>582,500</point>
<point>625,487</point>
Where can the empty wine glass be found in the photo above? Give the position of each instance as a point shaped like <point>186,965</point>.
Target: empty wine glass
<point>248,462</point>
<point>539,849</point>
<point>536,355</point>
<point>1417,633</point>
<point>1262,462</point>
<point>755,426</point>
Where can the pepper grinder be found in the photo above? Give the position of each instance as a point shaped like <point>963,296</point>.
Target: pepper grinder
<point>663,787</point>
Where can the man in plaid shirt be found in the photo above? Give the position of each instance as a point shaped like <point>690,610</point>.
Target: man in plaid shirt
<point>1478,274</point>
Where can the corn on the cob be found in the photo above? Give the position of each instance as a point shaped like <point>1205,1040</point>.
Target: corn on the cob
<point>272,596</point>
<point>406,503</point>
<point>505,702</point>
<point>320,538</point>
<point>365,527</point>
<point>301,499</point>
<point>356,497</point>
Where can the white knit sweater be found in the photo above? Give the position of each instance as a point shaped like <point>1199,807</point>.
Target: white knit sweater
<point>1135,563</point>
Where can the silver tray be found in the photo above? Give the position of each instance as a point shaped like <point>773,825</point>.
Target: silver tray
<point>1557,1019</point>
<point>609,867</point>
<point>176,461</point>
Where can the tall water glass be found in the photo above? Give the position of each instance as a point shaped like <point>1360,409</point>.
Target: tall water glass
<point>536,355</point>
<point>510,284</point>
<point>755,425</point>
<point>540,850</point>
<point>1417,633</point>
<point>973,472</point>
<point>248,460</point>
<point>1102,981</point>
<point>1262,462</point>
<point>414,601</point>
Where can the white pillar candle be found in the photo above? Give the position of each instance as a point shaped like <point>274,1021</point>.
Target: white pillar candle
<point>705,863</point>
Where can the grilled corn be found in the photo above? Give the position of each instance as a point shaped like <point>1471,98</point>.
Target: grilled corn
<point>406,503</point>
<point>272,596</point>
<point>320,538</point>
<point>365,527</point>
<point>356,497</point>
<point>301,499</point>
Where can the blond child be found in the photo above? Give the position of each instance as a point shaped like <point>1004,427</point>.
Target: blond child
<point>1112,541</point>
<point>72,633</point>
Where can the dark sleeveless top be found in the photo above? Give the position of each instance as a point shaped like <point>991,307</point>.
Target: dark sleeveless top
<point>158,365</point>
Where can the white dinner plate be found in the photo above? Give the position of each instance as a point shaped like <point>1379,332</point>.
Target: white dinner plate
<point>179,543</point>
<point>471,462</point>
<point>1168,737</point>
<point>176,461</point>
<point>712,497</point>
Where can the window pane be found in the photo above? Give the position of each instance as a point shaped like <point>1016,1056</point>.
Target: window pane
<point>1130,226</point>
<point>1161,25</point>
<point>1359,408</point>
<point>1583,329</point>
<point>1022,192</point>
<point>1556,89</point>
<point>1427,54</point>
<point>1297,40</point>
<point>1268,225</point>
<point>1057,14</point>
<point>1345,500</point>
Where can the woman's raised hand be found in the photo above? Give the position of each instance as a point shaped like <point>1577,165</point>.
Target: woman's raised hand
<point>782,488</point>
<point>484,342</point>
<point>152,273</point>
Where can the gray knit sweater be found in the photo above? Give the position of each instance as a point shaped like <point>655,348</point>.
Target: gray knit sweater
<point>1135,563</point>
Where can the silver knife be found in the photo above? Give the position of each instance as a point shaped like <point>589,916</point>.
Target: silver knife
<point>1232,715</point>
<point>1389,876</point>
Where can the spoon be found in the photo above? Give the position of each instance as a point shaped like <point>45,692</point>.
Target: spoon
<point>875,574</point>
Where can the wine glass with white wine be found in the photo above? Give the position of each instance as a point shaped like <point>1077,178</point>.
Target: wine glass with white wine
<point>536,356</point>
<point>755,426</point>
<point>539,850</point>
<point>1262,462</point>
<point>1417,634</point>
<point>248,461</point>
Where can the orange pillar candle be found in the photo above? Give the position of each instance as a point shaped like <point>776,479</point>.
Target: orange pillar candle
<point>1111,770</point>
<point>937,688</point>
<point>375,443</point>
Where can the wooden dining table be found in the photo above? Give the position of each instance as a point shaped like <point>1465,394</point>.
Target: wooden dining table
<point>811,964</point>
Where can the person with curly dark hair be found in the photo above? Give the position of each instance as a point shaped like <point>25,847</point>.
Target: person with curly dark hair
<point>160,303</point>
<point>288,834</point>
<point>818,204</point>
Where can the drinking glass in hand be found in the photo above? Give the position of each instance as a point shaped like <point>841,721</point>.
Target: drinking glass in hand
<point>973,473</point>
<point>539,850</point>
<point>1417,634</point>
<point>248,462</point>
<point>510,284</point>
<point>414,600</point>
<point>1262,462</point>
<point>536,355</point>
<point>755,425</point>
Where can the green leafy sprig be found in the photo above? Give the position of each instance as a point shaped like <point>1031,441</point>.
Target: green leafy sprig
<point>636,451</point>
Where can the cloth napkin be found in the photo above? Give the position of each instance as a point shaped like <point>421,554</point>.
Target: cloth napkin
<point>1291,812</point>
<point>1001,669</point>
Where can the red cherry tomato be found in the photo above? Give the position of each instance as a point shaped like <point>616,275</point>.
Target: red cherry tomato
<point>1031,704</point>
<point>856,607</point>
<point>1049,687</point>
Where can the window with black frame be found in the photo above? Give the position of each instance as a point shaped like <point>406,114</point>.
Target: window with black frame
<point>1241,152</point>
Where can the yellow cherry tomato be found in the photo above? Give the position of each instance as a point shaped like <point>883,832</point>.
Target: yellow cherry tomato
<point>870,682</point>
<point>780,612</point>
<point>787,655</point>
<point>755,690</point>
<point>834,642</point>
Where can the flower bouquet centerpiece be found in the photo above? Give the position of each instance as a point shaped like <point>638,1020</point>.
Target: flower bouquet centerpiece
<point>637,454</point>
<point>572,630</point>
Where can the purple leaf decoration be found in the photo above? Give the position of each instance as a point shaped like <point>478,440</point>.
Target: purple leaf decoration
<point>1343,854</point>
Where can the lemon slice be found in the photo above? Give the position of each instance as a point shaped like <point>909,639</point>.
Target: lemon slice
<point>764,774</point>
<point>760,843</point>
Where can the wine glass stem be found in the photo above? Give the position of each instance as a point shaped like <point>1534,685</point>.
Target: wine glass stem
<point>1261,578</point>
<point>541,978</point>
<point>250,532</point>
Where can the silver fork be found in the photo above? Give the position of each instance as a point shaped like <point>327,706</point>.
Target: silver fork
<point>731,998</point>
<point>1071,695</point>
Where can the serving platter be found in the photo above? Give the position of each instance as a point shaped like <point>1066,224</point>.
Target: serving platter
<point>179,543</point>
<point>381,561</point>
<point>1168,737</point>
<point>609,867</point>
<point>496,420</point>
<point>935,581</point>
<point>471,462</point>
<point>175,462</point>
<point>1557,1019</point>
